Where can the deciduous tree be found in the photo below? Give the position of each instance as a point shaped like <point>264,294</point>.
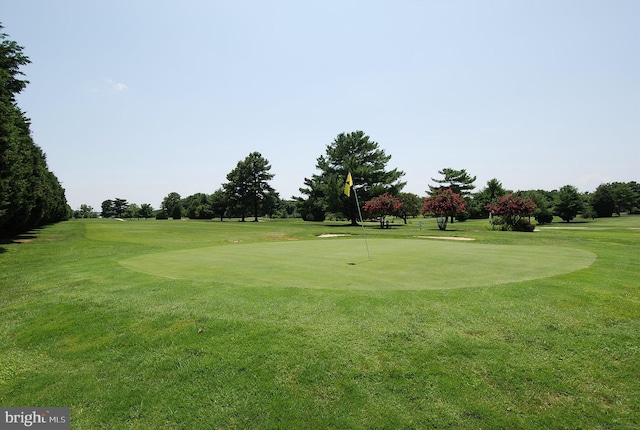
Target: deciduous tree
<point>85,211</point>
<point>198,206</point>
<point>624,197</point>
<point>132,211</point>
<point>459,181</point>
<point>411,205</point>
<point>543,213</point>
<point>569,203</point>
<point>170,202</point>
<point>219,202</point>
<point>513,209</point>
<point>383,205</point>
<point>443,203</point>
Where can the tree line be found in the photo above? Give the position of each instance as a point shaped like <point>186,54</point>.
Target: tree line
<point>247,193</point>
<point>450,197</point>
<point>30,194</point>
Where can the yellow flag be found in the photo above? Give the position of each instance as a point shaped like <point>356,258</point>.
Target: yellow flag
<point>348,184</point>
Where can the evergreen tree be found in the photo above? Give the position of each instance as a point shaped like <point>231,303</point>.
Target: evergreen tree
<point>248,189</point>
<point>176,213</point>
<point>146,210</point>
<point>486,196</point>
<point>356,153</point>
<point>108,209</point>
<point>458,181</point>
<point>30,195</point>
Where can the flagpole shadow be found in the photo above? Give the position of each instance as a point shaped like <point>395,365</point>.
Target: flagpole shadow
<point>357,263</point>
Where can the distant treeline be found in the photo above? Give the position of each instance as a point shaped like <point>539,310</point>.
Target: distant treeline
<point>30,194</point>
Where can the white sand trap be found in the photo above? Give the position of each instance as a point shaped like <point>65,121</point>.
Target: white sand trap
<point>333,235</point>
<point>577,227</point>
<point>445,237</point>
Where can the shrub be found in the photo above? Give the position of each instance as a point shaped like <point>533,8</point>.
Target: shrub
<point>463,216</point>
<point>523,224</point>
<point>544,218</point>
<point>512,210</point>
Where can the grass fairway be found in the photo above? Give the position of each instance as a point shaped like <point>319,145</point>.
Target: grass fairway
<point>189,325</point>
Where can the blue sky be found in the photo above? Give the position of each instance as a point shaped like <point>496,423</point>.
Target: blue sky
<point>137,99</point>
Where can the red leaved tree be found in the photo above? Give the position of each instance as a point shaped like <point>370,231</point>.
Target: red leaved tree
<point>383,205</point>
<point>513,210</point>
<point>443,203</point>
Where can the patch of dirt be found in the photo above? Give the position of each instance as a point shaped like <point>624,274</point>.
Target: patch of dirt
<point>445,237</point>
<point>333,235</point>
<point>22,240</point>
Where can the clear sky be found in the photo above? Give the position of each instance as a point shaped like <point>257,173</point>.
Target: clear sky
<point>139,98</point>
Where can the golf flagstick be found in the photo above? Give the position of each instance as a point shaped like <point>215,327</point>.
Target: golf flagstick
<point>347,188</point>
<point>362,224</point>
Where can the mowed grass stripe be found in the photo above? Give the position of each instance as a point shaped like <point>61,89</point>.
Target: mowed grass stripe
<point>332,263</point>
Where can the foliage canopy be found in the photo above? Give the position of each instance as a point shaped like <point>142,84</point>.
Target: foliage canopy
<point>443,203</point>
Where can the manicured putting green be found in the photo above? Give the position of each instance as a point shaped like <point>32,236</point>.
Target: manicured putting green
<point>339,263</point>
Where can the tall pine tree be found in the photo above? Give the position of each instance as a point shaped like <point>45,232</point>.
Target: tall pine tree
<point>354,152</point>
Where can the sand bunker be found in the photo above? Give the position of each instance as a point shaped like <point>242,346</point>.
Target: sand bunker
<point>332,235</point>
<point>445,237</point>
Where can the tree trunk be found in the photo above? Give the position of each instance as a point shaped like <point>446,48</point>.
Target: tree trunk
<point>255,208</point>
<point>354,217</point>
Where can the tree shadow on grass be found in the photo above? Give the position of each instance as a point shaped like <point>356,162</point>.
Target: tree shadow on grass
<point>20,238</point>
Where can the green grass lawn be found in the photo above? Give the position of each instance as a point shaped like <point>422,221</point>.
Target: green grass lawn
<point>189,325</point>
<point>394,264</point>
